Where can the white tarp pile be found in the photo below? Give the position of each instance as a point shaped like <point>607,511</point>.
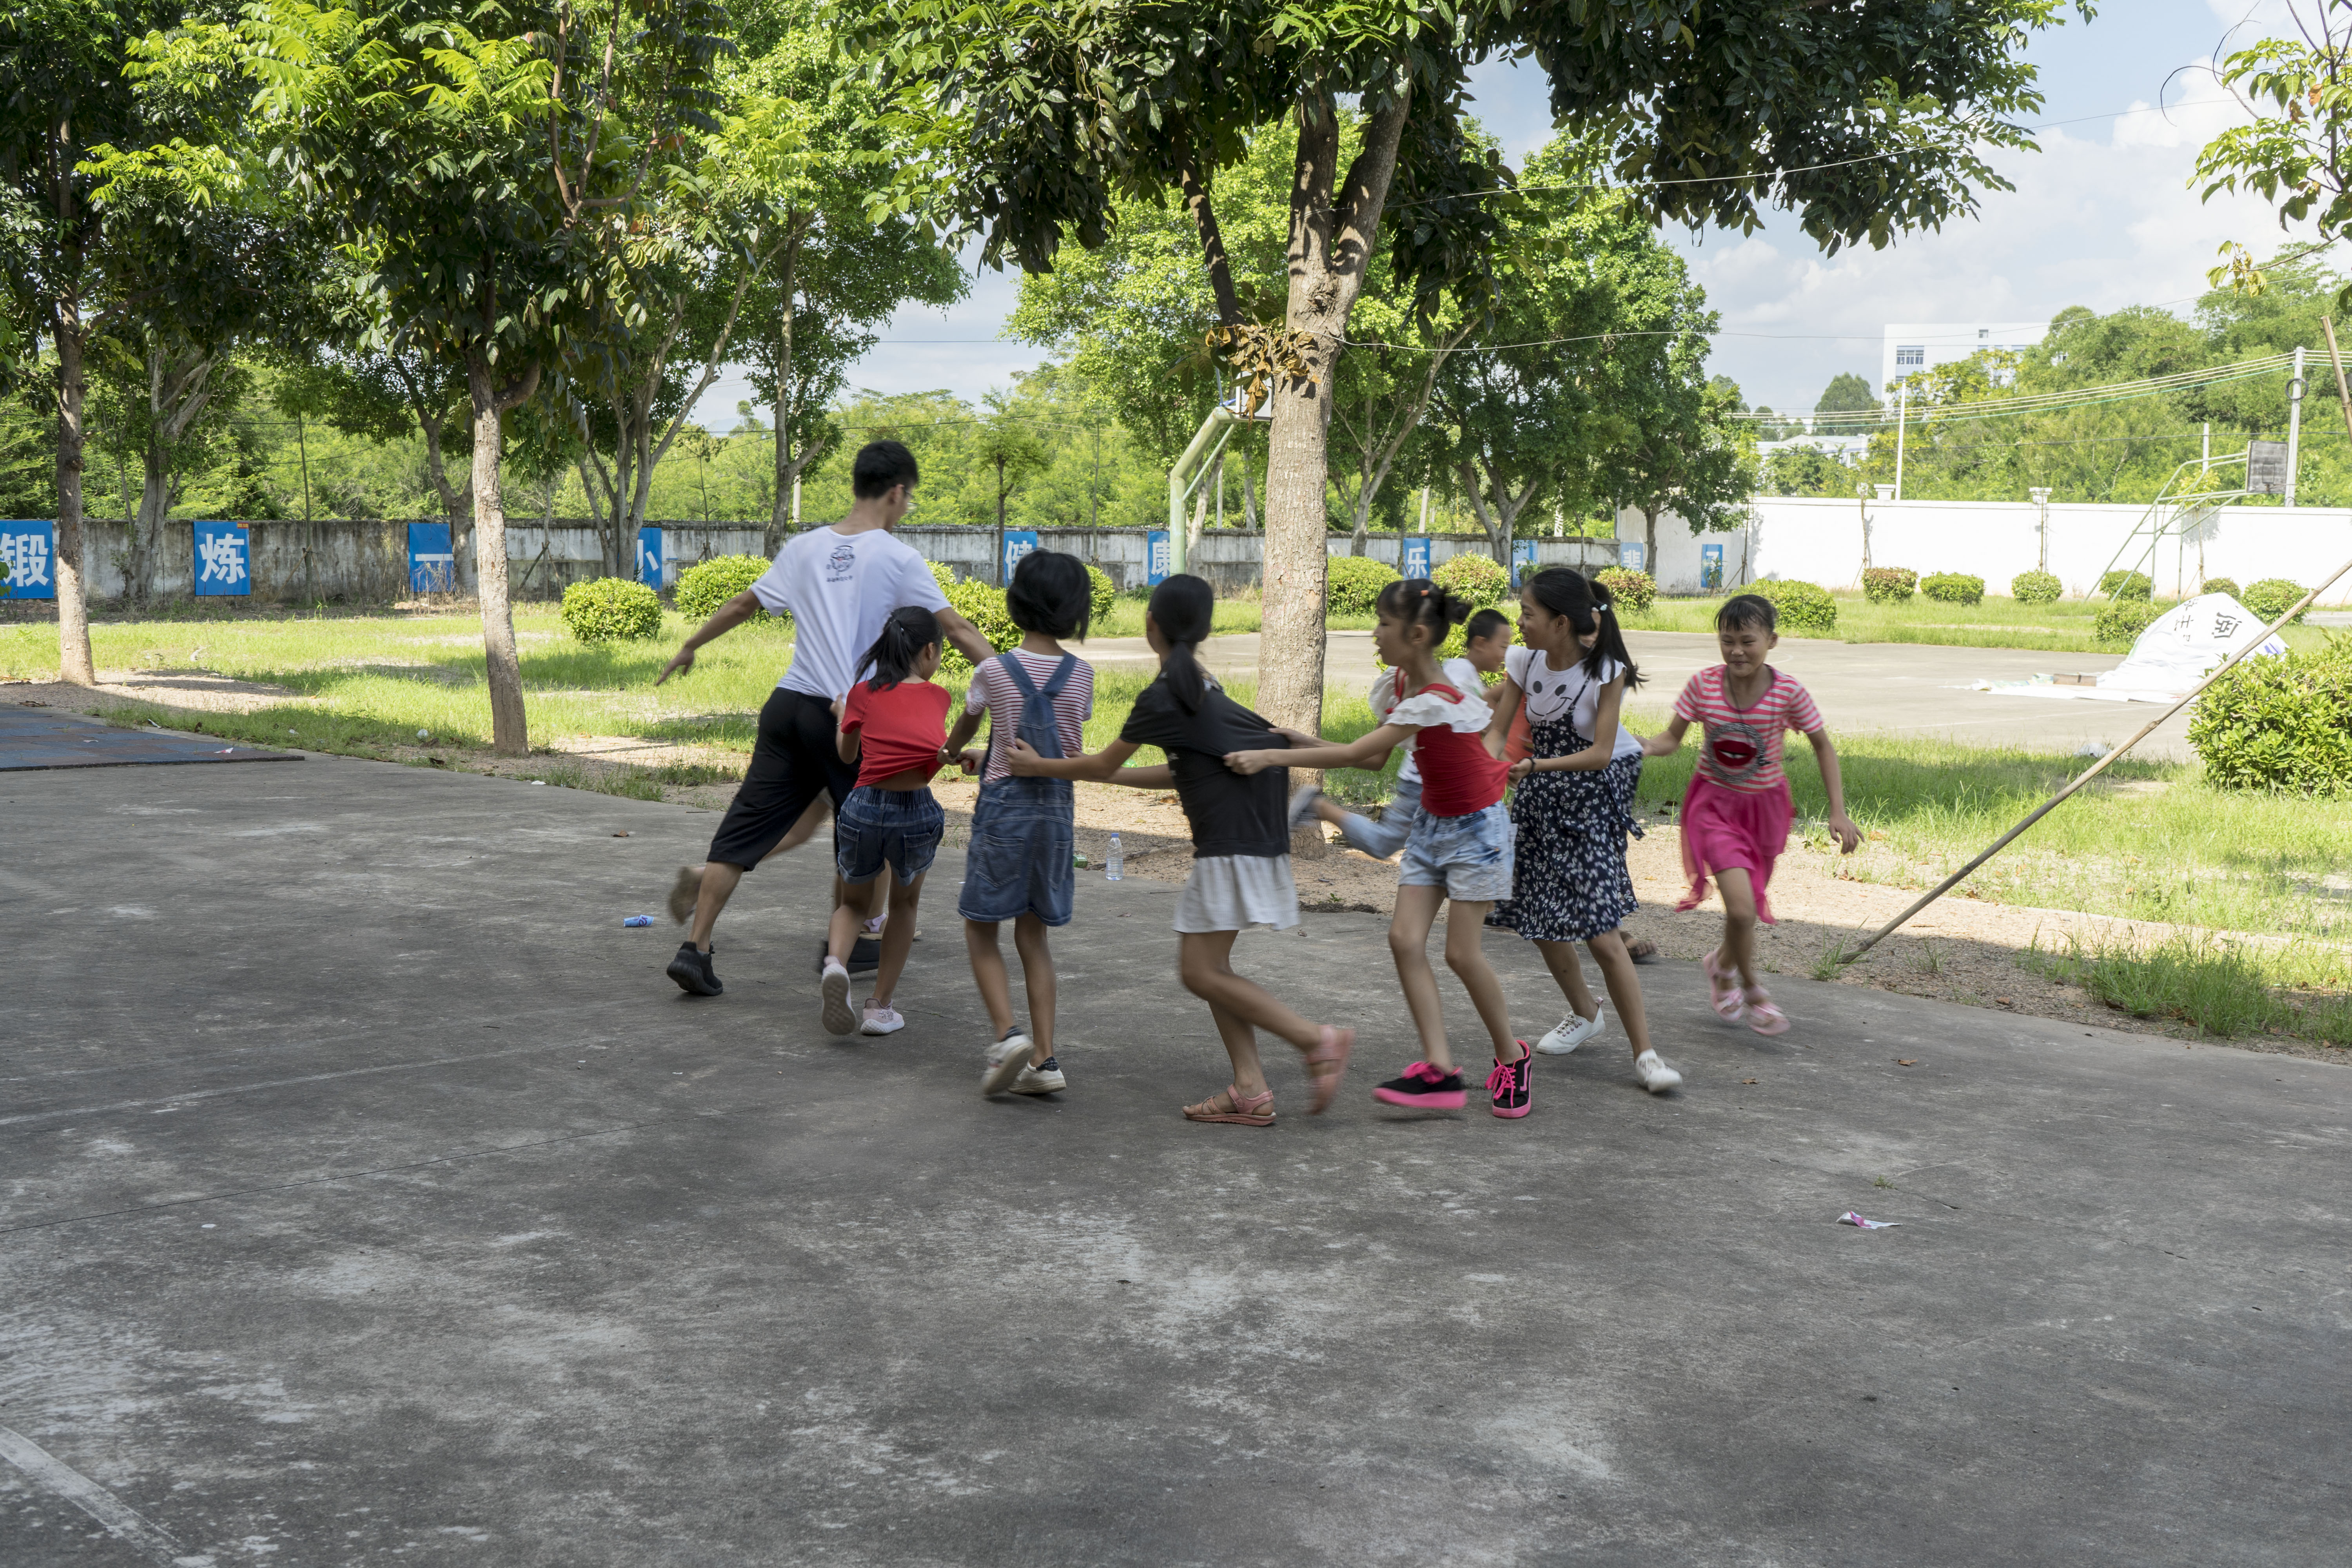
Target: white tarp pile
<point>2177,650</point>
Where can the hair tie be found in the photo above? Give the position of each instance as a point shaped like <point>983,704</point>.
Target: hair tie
<point>1598,609</point>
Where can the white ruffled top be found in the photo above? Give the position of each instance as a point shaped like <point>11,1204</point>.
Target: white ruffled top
<point>1430,710</point>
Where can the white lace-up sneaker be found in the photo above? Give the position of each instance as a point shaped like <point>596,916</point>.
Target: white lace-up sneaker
<point>1655,1074</point>
<point>1573,1031</point>
<point>835,986</point>
<point>881,1019</point>
<point>1007,1060</point>
<point>1045,1079</point>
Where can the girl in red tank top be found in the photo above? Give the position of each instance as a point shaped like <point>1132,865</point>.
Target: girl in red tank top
<point>1460,852</point>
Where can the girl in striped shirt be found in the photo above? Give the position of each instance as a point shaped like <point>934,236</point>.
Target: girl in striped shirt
<point>1736,816</point>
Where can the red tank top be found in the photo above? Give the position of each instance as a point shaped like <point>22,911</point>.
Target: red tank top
<point>1457,776</point>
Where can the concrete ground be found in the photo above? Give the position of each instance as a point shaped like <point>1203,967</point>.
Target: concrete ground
<point>1892,688</point>
<point>370,1196</point>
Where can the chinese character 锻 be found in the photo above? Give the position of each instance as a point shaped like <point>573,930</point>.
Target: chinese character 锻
<point>223,559</point>
<point>27,555</point>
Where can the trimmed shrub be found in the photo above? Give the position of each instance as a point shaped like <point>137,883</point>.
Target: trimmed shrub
<point>2227,585</point>
<point>1102,591</point>
<point>1354,583</point>
<point>612,609</point>
<point>1888,585</point>
<point>1803,609</point>
<point>983,606</point>
<point>2282,724</point>
<point>1633,590</point>
<point>2127,585</point>
<point>2120,624</point>
<point>706,585</point>
<point>1953,588</point>
<point>2273,597</point>
<point>2036,587</point>
<point>1476,578</point>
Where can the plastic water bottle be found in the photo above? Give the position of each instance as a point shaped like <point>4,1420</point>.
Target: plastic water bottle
<point>1115,863</point>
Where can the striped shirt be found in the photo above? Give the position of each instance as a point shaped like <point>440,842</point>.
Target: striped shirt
<point>1742,750</point>
<point>993,691</point>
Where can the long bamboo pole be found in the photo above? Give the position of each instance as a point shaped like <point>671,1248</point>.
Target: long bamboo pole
<point>2344,395</point>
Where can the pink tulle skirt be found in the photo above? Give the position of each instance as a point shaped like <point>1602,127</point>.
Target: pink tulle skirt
<point>1725,829</point>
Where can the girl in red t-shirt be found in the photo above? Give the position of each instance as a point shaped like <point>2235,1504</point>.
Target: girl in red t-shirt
<point>894,727</point>
<point>1736,816</point>
<point>1459,854</point>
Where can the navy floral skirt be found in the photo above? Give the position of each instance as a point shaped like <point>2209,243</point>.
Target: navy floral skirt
<point>1571,883</point>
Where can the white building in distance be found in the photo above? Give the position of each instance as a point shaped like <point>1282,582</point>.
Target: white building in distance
<point>1912,346</point>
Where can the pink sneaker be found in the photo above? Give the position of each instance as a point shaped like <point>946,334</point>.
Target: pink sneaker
<point>1424,1088</point>
<point>1508,1087</point>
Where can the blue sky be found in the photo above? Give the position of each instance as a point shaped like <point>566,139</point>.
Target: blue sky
<point>2101,216</point>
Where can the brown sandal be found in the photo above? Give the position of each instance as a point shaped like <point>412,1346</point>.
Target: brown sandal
<point>1332,1050</point>
<point>1244,1110</point>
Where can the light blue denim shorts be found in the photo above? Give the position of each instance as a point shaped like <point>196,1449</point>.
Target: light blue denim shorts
<point>1469,857</point>
<point>900,828</point>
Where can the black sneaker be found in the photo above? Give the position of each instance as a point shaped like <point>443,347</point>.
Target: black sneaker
<point>692,971</point>
<point>1425,1088</point>
<point>1508,1087</point>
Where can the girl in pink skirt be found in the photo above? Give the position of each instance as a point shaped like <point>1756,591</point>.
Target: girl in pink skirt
<point>1735,818</point>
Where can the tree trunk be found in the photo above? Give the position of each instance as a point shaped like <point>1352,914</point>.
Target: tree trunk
<point>1650,540</point>
<point>74,661</point>
<point>155,501</point>
<point>1000,523</point>
<point>510,726</point>
<point>1329,244</point>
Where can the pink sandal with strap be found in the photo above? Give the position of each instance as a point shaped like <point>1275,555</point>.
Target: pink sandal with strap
<point>1763,1016</point>
<point>1723,992</point>
<point>1332,1051</point>
<point>1242,1110</point>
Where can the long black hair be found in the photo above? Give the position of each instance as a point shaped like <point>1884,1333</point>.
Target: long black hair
<point>1590,608</point>
<point>905,636</point>
<point>1418,602</point>
<point>1183,608</point>
<point>1051,595</point>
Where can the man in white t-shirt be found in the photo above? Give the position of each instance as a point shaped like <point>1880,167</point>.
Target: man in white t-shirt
<point>839,584</point>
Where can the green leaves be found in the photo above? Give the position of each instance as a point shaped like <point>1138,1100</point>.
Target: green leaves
<point>2295,155</point>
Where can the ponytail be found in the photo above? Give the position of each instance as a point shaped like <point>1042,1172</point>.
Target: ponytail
<point>1418,602</point>
<point>1184,607</point>
<point>1592,612</point>
<point>905,636</point>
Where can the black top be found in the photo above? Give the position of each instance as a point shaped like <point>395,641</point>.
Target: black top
<point>1230,814</point>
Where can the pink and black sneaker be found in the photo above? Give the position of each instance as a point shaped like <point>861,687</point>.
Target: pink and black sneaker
<point>1424,1088</point>
<point>1510,1086</point>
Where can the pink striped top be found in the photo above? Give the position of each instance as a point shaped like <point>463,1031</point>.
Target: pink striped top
<point>993,691</point>
<point>1742,749</point>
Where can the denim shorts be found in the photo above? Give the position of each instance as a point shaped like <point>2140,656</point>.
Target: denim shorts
<point>898,827</point>
<point>1469,857</point>
<point>1019,862</point>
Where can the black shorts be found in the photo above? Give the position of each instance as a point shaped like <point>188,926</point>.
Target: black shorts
<point>793,759</point>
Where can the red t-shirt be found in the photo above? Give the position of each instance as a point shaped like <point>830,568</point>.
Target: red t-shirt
<point>903,728</point>
<point>1457,776</point>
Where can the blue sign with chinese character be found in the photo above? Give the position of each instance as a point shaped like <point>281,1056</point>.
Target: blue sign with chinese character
<point>1155,557</point>
<point>432,567</point>
<point>1523,561</point>
<point>223,558</point>
<point>27,548</point>
<point>1711,567</point>
<point>1632,554</point>
<point>649,559</point>
<point>1018,541</point>
<point>1415,559</point>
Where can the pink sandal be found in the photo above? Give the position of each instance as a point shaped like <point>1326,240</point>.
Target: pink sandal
<point>1763,1016</point>
<point>1242,1110</point>
<point>1723,992</point>
<point>1331,1051</point>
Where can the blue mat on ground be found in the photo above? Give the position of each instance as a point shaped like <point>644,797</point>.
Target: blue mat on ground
<point>38,738</point>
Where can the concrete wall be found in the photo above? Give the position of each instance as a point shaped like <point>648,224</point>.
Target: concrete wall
<point>1821,540</point>
<point>367,561</point>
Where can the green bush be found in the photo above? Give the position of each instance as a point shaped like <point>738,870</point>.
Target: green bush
<point>1888,585</point>
<point>1476,578</point>
<point>1952,588</point>
<point>1633,590</point>
<point>2036,587</point>
<point>2273,597</point>
<point>1803,609</point>
<point>1354,584</point>
<point>612,609</point>
<point>2226,585</point>
<point>2127,585</point>
<point>983,606</point>
<point>2282,723</point>
<point>706,585</point>
<point>1101,593</point>
<point>2120,624</point>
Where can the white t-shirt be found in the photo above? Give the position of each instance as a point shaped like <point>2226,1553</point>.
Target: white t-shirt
<point>1460,674</point>
<point>839,588</point>
<point>1548,693</point>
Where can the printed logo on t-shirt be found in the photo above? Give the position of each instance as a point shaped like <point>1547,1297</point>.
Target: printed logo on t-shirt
<point>841,563</point>
<point>1737,747</point>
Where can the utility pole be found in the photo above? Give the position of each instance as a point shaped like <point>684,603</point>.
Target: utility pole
<point>2205,460</point>
<point>1094,490</point>
<point>2040,495</point>
<point>1902,419</point>
<point>2293,424</point>
<point>1000,520</point>
<point>309,528</point>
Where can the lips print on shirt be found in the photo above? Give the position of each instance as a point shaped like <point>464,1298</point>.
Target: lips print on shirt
<point>1737,751</point>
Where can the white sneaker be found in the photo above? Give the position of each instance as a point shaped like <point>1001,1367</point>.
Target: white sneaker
<point>838,1019</point>
<point>1007,1060</point>
<point>1302,806</point>
<point>1655,1074</point>
<point>1047,1080</point>
<point>880,1021</point>
<point>1573,1031</point>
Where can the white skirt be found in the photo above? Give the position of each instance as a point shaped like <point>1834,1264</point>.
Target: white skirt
<point>1233,892</point>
